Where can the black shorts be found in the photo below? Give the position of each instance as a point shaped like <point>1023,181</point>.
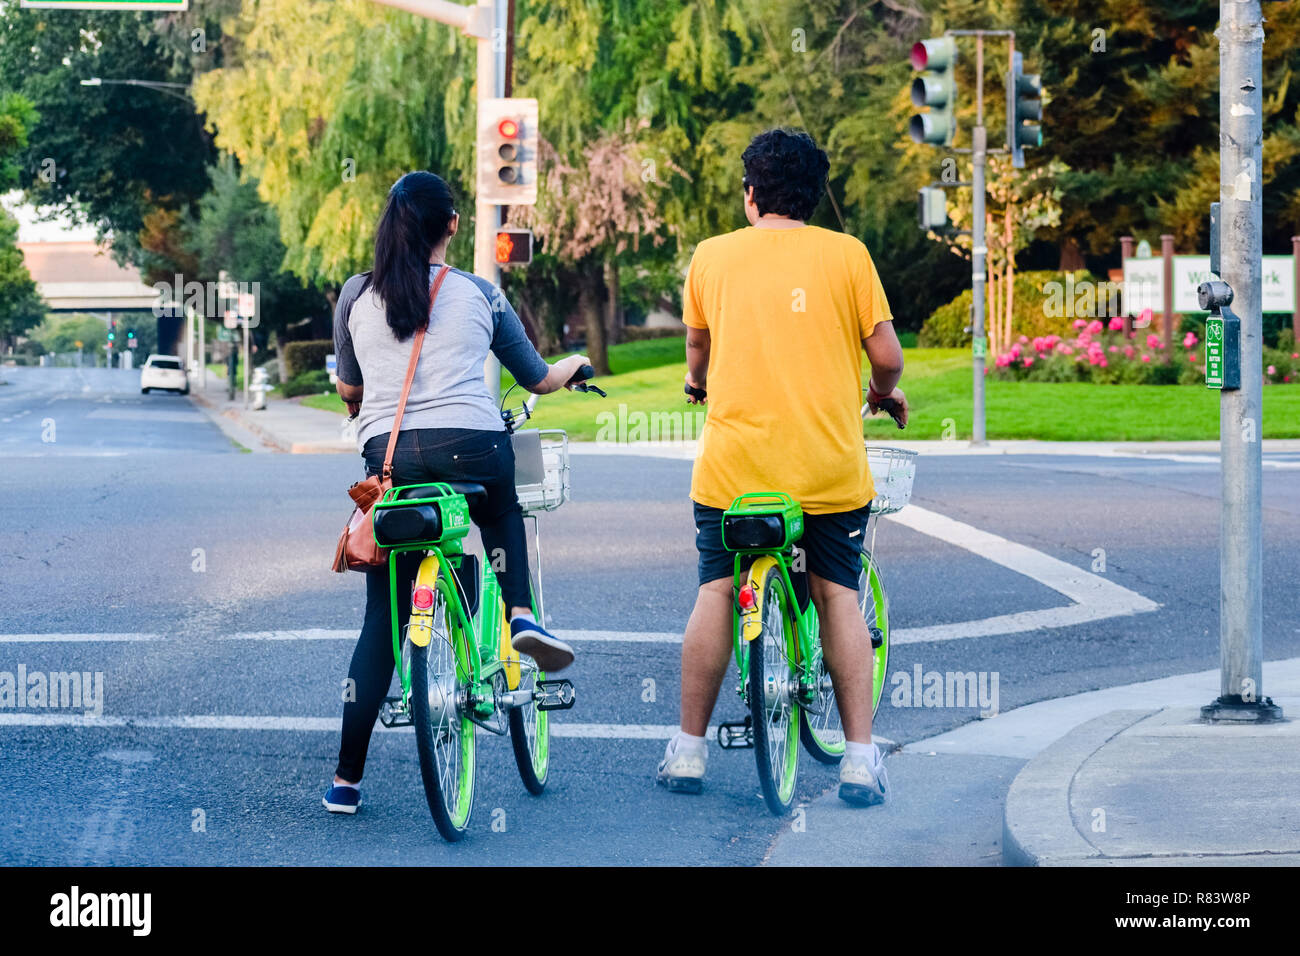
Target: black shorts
<point>832,543</point>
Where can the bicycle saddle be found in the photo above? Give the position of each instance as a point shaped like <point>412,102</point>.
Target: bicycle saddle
<point>473,492</point>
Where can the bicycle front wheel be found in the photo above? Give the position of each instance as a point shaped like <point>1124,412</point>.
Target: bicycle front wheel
<point>773,706</point>
<point>444,734</point>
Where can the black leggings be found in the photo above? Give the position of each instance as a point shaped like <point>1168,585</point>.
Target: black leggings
<point>430,454</point>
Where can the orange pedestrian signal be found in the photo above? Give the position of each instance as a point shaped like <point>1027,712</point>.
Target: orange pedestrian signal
<point>514,247</point>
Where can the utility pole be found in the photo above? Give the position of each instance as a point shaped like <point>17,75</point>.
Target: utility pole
<point>1241,590</point>
<point>979,251</point>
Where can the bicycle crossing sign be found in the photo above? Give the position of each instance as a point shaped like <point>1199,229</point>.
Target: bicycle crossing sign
<point>1214,351</point>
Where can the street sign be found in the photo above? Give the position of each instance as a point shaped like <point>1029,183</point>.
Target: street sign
<point>1214,351</point>
<point>1144,284</point>
<point>162,6</point>
<point>980,346</point>
<point>247,305</point>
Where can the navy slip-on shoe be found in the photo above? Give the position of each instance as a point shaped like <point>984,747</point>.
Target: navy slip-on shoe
<point>342,799</point>
<point>550,653</point>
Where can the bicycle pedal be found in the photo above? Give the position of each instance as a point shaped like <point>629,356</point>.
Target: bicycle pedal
<point>554,694</point>
<point>393,713</point>
<point>736,734</point>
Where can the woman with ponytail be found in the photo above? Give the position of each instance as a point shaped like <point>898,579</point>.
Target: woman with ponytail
<point>451,429</point>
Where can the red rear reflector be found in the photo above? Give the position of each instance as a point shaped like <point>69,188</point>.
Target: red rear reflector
<point>747,602</point>
<point>423,598</point>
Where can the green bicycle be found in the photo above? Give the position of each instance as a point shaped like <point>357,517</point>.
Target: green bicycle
<point>783,677</point>
<point>457,666</point>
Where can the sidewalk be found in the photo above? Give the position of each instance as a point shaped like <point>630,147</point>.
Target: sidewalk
<point>284,425</point>
<point>1126,776</point>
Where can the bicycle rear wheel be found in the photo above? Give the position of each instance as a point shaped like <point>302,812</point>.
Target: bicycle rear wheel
<point>823,734</point>
<point>444,734</point>
<point>772,705</point>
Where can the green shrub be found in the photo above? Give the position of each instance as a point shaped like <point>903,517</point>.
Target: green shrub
<point>1035,311</point>
<point>639,333</point>
<point>307,356</point>
<point>308,383</point>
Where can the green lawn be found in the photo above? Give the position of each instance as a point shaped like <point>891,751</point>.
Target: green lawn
<point>648,378</point>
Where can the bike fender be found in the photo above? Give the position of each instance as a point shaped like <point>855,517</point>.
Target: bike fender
<point>751,622</point>
<point>420,629</point>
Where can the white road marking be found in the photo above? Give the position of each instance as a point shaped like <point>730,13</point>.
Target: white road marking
<point>1095,598</point>
<point>76,638</point>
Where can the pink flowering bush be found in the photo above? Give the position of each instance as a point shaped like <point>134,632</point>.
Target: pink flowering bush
<point>1102,353</point>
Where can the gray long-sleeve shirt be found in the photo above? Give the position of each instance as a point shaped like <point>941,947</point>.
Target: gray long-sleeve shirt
<point>470,318</point>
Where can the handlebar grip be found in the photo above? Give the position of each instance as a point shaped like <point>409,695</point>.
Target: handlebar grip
<point>699,394</point>
<point>891,407</point>
<point>585,372</point>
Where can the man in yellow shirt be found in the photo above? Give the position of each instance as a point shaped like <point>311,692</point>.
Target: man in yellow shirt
<point>776,315</point>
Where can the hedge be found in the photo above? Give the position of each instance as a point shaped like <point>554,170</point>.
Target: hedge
<point>946,327</point>
<point>306,356</point>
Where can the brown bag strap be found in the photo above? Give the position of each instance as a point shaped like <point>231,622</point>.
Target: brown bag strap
<point>387,473</point>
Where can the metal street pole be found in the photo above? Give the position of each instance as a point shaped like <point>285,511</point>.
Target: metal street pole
<point>1241,591</point>
<point>979,252</point>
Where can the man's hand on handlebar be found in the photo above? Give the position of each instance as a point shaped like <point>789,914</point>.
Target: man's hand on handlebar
<point>695,394</point>
<point>895,403</point>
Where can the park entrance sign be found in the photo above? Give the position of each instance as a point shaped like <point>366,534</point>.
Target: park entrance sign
<point>164,6</point>
<point>1144,284</point>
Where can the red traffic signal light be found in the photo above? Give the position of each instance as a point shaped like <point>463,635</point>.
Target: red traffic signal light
<point>514,246</point>
<point>508,128</point>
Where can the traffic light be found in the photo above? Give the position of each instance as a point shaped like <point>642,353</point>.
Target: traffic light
<point>112,331</point>
<point>933,203</point>
<point>130,338</point>
<point>507,151</point>
<point>514,246</point>
<point>1024,111</point>
<point>936,88</point>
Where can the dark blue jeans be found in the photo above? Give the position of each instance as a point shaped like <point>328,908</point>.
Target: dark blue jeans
<point>430,454</point>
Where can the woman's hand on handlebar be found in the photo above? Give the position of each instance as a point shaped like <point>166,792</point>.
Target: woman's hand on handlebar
<point>561,374</point>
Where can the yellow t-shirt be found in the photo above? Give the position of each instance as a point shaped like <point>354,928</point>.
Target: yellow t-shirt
<point>786,310</point>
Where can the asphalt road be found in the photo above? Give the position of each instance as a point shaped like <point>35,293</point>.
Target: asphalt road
<point>134,516</point>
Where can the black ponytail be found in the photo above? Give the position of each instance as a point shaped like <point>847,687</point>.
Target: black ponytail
<point>417,217</point>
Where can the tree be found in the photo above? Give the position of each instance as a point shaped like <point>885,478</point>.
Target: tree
<point>588,215</point>
<point>235,231</point>
<point>106,155</point>
<point>21,306</point>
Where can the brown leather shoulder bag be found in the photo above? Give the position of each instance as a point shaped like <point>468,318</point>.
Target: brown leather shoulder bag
<point>357,549</point>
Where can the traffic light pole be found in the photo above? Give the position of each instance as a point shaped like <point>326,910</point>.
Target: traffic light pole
<point>978,275</point>
<point>1241,590</point>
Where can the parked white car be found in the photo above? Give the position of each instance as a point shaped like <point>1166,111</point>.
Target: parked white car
<point>163,372</point>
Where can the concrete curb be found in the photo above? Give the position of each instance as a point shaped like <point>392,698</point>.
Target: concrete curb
<point>234,428</point>
<point>1037,828</point>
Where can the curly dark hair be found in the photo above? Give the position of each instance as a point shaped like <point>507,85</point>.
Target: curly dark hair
<point>788,172</point>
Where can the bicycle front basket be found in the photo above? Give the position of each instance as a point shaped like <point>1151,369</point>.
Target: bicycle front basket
<point>892,472</point>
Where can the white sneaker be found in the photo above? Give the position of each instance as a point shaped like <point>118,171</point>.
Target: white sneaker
<point>682,771</point>
<point>861,784</point>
